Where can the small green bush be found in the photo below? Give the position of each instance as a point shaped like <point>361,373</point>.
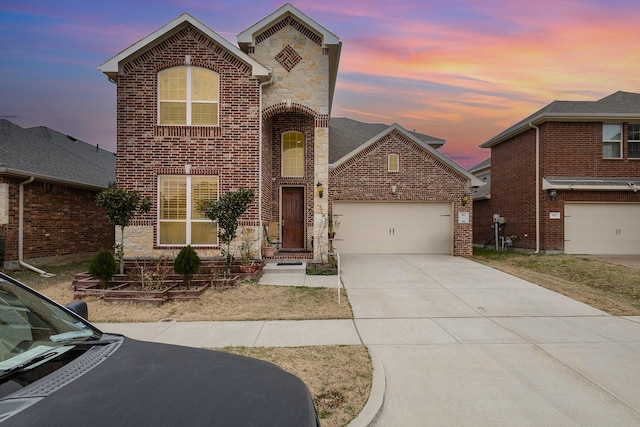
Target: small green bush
<point>103,266</point>
<point>187,264</point>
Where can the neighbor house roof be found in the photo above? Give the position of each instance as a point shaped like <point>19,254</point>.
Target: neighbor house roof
<point>483,171</point>
<point>113,66</point>
<point>617,106</point>
<point>349,137</point>
<point>52,156</point>
<point>328,40</point>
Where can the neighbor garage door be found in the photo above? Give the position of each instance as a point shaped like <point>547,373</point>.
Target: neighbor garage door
<point>602,228</point>
<point>393,227</point>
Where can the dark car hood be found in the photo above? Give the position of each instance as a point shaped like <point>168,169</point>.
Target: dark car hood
<point>148,384</point>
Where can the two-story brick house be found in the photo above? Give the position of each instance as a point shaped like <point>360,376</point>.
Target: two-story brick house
<point>566,179</point>
<point>198,117</point>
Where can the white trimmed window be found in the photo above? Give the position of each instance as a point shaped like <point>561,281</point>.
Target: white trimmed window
<point>293,154</point>
<point>188,96</point>
<point>179,219</point>
<point>611,141</point>
<point>393,163</point>
<point>633,130</point>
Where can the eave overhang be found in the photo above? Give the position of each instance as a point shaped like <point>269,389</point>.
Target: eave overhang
<point>20,174</point>
<point>113,66</point>
<point>591,184</point>
<point>475,182</point>
<point>558,117</point>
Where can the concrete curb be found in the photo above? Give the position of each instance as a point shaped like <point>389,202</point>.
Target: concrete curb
<point>373,407</point>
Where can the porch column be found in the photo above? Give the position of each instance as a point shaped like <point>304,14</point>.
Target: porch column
<point>321,175</point>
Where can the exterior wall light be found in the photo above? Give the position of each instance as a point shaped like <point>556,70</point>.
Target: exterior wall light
<point>394,189</point>
<point>552,194</point>
<point>320,189</point>
<point>465,200</point>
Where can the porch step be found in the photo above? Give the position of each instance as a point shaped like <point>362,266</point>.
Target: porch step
<point>284,266</point>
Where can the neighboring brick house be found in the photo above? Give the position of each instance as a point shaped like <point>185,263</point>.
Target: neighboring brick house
<point>198,117</point>
<point>48,185</point>
<point>585,181</point>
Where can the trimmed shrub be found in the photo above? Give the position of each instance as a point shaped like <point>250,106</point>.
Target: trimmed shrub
<point>103,266</point>
<point>187,263</point>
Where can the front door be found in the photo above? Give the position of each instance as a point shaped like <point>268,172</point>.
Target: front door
<point>292,218</point>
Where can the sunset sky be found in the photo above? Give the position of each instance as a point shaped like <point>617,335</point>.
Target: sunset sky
<point>460,70</point>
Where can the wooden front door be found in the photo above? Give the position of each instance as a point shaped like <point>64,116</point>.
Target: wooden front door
<point>292,218</point>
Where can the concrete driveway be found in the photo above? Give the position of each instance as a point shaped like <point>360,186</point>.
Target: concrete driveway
<point>462,344</point>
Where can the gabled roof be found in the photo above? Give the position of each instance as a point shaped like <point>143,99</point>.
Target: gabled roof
<point>349,137</point>
<point>328,40</point>
<point>617,106</point>
<point>248,36</point>
<point>52,156</point>
<point>113,65</point>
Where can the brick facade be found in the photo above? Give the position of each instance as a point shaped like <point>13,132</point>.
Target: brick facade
<point>421,177</point>
<point>60,224</point>
<point>146,150</point>
<point>567,149</point>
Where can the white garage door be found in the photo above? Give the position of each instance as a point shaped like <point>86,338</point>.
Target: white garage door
<point>602,228</point>
<point>393,227</point>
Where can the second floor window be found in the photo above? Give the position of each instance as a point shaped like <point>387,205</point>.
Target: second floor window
<point>611,141</point>
<point>188,96</point>
<point>293,154</point>
<point>634,141</point>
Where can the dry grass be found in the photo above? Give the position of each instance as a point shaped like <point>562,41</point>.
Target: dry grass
<point>605,286</point>
<point>244,302</point>
<point>339,377</point>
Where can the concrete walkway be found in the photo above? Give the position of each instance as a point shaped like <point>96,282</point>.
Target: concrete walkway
<point>455,343</point>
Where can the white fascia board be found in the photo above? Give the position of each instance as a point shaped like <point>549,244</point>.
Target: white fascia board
<point>112,66</point>
<point>246,37</point>
<point>546,185</point>
<point>475,181</point>
<point>558,117</point>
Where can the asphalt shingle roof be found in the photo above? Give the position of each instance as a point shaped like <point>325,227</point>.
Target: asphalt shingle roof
<point>346,135</point>
<point>617,105</point>
<point>49,154</point>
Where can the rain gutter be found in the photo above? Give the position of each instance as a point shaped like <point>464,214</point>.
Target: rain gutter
<point>21,232</point>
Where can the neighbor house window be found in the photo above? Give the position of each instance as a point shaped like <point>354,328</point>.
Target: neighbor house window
<point>188,96</point>
<point>293,154</point>
<point>393,163</point>
<point>180,221</point>
<point>611,141</point>
<point>633,131</point>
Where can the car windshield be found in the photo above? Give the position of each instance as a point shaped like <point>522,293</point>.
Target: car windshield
<point>32,327</point>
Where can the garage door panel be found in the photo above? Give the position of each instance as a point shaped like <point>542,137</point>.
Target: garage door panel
<point>393,227</point>
<point>602,228</point>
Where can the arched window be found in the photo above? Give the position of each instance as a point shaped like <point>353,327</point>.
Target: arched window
<point>293,154</point>
<point>188,96</point>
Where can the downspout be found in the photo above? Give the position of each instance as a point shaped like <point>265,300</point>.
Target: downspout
<point>260,227</point>
<point>537,186</point>
<point>21,232</point>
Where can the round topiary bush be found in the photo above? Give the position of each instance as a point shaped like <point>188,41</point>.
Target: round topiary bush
<point>187,263</point>
<point>103,266</point>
